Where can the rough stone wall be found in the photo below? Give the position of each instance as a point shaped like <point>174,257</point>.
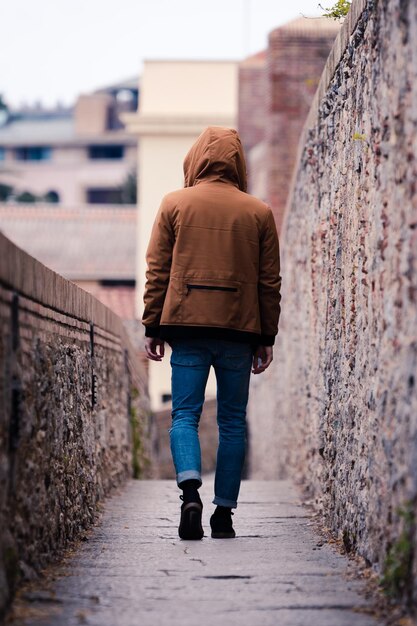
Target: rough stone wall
<point>338,409</point>
<point>73,410</point>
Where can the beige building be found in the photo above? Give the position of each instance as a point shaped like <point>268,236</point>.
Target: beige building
<point>76,156</point>
<point>178,100</point>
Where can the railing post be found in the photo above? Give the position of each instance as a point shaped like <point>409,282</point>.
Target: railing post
<point>93,375</point>
<point>129,383</point>
<point>16,386</point>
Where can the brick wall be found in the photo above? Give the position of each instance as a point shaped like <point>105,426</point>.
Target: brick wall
<point>74,412</point>
<point>339,405</point>
<point>296,56</point>
<point>252,103</point>
<point>276,88</point>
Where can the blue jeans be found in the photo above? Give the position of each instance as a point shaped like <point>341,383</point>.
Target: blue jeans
<point>191,360</point>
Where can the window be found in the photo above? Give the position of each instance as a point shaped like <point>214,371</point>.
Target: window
<point>33,153</point>
<point>51,196</point>
<point>2,153</point>
<point>105,152</point>
<point>104,195</point>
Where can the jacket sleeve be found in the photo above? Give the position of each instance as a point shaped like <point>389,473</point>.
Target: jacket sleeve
<point>269,285</point>
<point>158,259</point>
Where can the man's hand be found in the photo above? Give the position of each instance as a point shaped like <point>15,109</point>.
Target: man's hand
<point>151,347</point>
<point>262,359</point>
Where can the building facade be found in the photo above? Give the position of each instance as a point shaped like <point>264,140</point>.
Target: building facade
<point>81,155</point>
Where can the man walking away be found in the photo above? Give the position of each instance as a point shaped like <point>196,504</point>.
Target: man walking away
<point>213,293</point>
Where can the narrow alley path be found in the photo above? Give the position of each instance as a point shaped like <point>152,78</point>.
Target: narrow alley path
<point>135,571</point>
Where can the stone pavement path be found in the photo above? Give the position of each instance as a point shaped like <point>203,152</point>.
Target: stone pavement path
<point>135,571</point>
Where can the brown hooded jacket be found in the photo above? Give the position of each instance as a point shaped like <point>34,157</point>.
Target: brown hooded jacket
<point>213,257</point>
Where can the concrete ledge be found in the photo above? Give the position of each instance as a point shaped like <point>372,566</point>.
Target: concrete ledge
<point>145,124</point>
<point>29,277</point>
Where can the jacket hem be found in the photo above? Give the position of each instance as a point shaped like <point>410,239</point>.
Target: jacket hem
<point>152,331</point>
<point>167,332</point>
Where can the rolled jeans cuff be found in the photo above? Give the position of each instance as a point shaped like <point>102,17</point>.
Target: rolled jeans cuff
<point>230,504</point>
<point>189,475</point>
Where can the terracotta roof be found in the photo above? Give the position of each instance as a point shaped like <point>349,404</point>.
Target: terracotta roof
<point>255,60</point>
<point>309,26</point>
<point>118,298</point>
<point>80,243</point>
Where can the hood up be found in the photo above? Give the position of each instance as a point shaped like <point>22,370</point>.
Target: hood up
<point>216,155</point>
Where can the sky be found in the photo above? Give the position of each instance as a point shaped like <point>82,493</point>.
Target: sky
<point>53,50</point>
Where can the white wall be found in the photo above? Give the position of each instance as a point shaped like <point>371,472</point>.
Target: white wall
<point>189,88</point>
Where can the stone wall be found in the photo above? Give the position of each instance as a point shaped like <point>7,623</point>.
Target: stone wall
<point>338,409</point>
<point>74,411</point>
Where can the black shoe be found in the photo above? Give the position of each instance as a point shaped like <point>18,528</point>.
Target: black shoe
<point>221,524</point>
<point>190,525</point>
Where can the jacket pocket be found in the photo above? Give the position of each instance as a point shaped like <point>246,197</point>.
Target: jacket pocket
<point>209,288</point>
<point>210,304</point>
